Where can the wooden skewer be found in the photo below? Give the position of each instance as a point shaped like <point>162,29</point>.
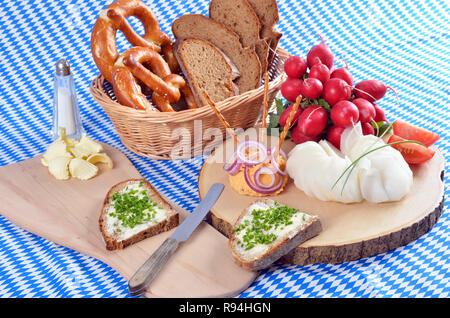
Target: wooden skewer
<point>265,105</point>
<point>288,122</point>
<point>221,118</point>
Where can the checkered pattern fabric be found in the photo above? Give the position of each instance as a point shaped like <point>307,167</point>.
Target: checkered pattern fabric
<point>403,43</point>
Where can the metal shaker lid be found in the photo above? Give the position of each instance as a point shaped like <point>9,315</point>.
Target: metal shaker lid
<point>62,67</point>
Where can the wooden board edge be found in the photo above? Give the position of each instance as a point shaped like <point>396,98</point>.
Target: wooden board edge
<point>336,254</point>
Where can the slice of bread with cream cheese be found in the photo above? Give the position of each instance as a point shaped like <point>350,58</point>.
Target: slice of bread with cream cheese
<point>267,230</point>
<point>132,211</point>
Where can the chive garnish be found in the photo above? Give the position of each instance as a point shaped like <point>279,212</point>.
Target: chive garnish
<point>133,207</point>
<point>259,229</point>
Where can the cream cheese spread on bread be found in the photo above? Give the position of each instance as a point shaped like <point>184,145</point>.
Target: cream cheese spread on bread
<point>144,212</point>
<point>266,224</point>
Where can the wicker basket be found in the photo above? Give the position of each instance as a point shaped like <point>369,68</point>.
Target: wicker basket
<point>155,134</point>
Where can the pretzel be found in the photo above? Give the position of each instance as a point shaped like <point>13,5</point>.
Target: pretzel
<point>113,18</point>
<point>165,86</point>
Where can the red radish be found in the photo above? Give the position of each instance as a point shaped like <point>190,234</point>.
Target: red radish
<point>320,71</point>
<point>372,90</point>
<point>334,135</point>
<point>367,129</point>
<point>344,113</point>
<point>366,110</point>
<point>311,88</point>
<point>336,90</point>
<point>295,66</point>
<point>291,88</point>
<point>411,152</point>
<point>320,53</point>
<point>343,73</point>
<point>379,114</point>
<point>312,121</point>
<point>410,132</point>
<point>298,137</point>
<point>284,116</point>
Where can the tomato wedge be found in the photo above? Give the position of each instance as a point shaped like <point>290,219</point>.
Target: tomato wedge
<point>411,152</point>
<point>410,132</point>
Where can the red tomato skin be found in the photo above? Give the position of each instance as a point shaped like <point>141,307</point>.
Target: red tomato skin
<point>412,153</point>
<point>334,135</point>
<point>291,88</point>
<point>411,132</point>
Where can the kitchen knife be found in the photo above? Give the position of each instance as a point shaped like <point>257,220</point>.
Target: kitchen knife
<point>148,271</point>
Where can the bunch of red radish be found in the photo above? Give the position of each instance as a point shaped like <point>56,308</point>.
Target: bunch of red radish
<point>346,104</point>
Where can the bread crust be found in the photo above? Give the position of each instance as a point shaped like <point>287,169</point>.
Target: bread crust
<point>171,222</point>
<point>313,228</point>
<point>225,39</point>
<point>248,28</point>
<point>267,12</point>
<point>229,85</point>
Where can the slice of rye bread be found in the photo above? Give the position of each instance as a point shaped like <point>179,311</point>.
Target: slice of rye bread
<point>206,69</point>
<point>267,12</point>
<point>112,240</point>
<point>241,18</point>
<point>301,232</point>
<point>225,39</point>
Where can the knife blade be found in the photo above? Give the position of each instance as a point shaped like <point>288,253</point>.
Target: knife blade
<point>149,270</point>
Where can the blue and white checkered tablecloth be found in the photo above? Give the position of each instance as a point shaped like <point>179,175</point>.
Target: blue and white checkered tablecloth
<point>403,43</point>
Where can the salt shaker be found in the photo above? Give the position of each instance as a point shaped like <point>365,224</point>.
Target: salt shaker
<point>65,105</point>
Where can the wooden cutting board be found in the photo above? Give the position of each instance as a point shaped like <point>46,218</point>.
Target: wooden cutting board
<point>67,212</point>
<point>350,231</point>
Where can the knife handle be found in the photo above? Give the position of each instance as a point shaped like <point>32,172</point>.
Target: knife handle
<point>148,271</point>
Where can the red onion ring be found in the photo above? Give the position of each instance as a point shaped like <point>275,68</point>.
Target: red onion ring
<point>227,166</point>
<point>234,171</point>
<point>251,144</point>
<point>264,170</point>
<point>258,189</point>
<point>274,161</point>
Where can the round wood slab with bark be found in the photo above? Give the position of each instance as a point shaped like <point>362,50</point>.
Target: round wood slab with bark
<point>350,231</point>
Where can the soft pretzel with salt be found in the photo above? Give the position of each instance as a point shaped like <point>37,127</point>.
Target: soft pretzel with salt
<point>156,75</point>
<point>112,19</point>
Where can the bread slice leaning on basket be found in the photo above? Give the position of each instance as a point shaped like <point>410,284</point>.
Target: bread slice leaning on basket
<point>241,18</point>
<point>207,69</point>
<point>117,235</point>
<point>256,256</point>
<point>226,40</point>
